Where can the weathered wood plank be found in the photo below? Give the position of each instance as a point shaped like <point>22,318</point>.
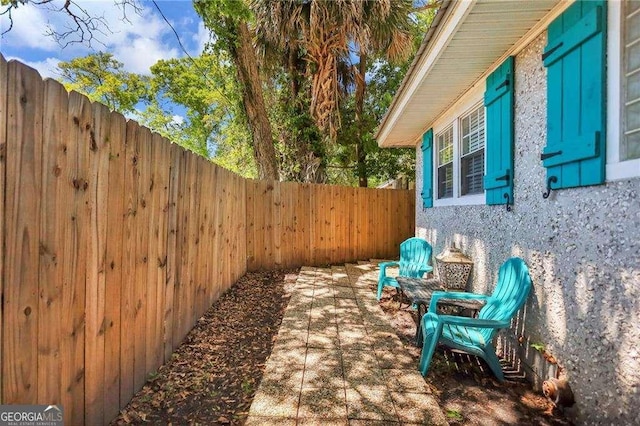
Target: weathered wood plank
<point>4,78</point>
<point>162,176</point>
<point>114,290</point>
<point>128,306</point>
<point>172,250</point>
<point>142,218</point>
<point>96,144</point>
<point>52,215</point>
<point>74,296</point>
<point>22,226</point>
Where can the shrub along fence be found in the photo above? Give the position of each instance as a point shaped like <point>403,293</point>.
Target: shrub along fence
<point>115,241</point>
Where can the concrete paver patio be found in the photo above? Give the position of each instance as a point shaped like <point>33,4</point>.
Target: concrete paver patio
<point>338,361</point>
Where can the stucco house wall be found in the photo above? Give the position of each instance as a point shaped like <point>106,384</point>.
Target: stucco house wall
<point>584,259</point>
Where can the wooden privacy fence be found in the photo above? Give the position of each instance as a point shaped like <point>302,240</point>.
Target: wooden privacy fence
<point>115,241</point>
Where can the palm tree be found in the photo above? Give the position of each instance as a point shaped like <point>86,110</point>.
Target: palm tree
<point>328,33</point>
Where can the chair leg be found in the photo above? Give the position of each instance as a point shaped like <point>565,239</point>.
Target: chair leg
<point>431,332</point>
<point>380,287</point>
<point>493,362</point>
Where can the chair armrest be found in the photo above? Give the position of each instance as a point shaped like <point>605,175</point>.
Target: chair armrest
<point>455,295</point>
<point>384,265</point>
<point>472,322</point>
<point>424,270</point>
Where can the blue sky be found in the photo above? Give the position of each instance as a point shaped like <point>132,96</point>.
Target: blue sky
<point>138,43</point>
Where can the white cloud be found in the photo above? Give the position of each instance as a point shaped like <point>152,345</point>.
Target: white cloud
<point>48,68</point>
<point>177,119</point>
<point>29,29</point>
<point>201,38</point>
<point>137,41</point>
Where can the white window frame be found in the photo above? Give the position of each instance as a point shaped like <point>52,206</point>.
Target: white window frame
<point>616,169</point>
<point>473,99</point>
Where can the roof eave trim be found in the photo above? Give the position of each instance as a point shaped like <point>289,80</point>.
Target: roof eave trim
<point>436,40</point>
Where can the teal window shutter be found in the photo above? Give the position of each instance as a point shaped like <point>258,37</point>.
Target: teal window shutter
<point>575,57</point>
<point>498,101</point>
<point>427,168</point>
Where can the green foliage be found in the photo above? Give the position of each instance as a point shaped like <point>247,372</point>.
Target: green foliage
<point>101,78</point>
<point>455,415</point>
<point>538,347</point>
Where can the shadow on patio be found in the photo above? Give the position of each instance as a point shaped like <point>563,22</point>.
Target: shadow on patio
<point>338,359</point>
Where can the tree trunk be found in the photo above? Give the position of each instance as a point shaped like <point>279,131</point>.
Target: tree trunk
<point>246,62</point>
<point>361,155</point>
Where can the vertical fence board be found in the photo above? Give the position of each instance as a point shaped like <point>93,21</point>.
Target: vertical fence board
<point>142,217</point>
<point>116,213</point>
<point>20,310</point>
<point>3,149</point>
<point>181,243</point>
<point>172,251</point>
<point>96,141</point>
<point>162,176</point>
<point>128,306</point>
<point>54,164</point>
<point>80,122</point>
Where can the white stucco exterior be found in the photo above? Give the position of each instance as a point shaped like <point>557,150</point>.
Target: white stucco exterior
<point>582,246</point>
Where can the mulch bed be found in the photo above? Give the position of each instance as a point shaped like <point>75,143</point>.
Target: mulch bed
<point>213,376</point>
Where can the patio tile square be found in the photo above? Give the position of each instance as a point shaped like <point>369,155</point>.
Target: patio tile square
<point>323,422</point>
<point>274,401</point>
<point>288,377</point>
<point>349,320</point>
<point>402,360</point>
<point>374,321</point>
<point>324,323</point>
<point>323,376</point>
<point>361,370</point>
<point>323,340</point>
<point>389,344</point>
<point>401,380</point>
<point>418,408</point>
<point>293,324</point>
<point>269,421</point>
<point>346,304</point>
<point>291,338</point>
<point>323,274</point>
<point>323,403</point>
<point>316,356</point>
<point>344,292</point>
<point>370,403</point>
<point>355,422</point>
<point>300,315</point>
<point>284,355</point>
<point>352,332</point>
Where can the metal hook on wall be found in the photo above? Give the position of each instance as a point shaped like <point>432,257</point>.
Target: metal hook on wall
<point>550,180</point>
<point>508,198</point>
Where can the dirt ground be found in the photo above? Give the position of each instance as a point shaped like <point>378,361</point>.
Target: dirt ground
<point>213,376</point>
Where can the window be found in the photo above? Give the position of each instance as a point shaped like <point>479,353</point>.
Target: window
<point>458,155</point>
<point>445,163</point>
<point>472,160</point>
<point>630,147</point>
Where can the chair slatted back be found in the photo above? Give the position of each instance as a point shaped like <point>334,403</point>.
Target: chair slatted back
<point>415,254</point>
<point>510,294</point>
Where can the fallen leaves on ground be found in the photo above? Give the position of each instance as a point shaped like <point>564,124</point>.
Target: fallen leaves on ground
<point>213,376</point>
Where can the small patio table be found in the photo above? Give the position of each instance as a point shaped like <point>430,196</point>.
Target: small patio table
<point>419,291</point>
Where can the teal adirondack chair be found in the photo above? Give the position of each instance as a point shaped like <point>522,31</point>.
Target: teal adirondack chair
<point>475,335</point>
<point>415,260</point>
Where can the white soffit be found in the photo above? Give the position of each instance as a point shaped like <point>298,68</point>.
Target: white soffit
<point>472,36</point>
